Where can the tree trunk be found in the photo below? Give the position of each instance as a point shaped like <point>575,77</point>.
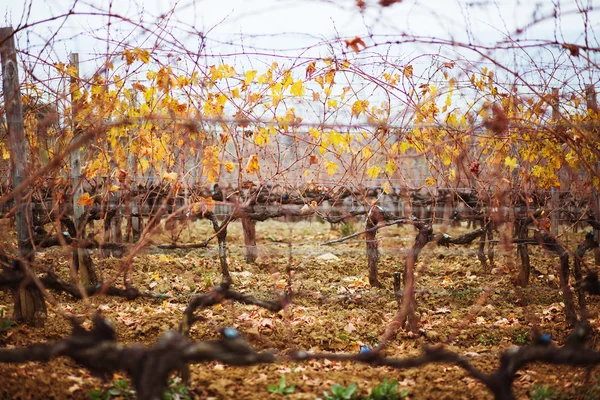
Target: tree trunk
<point>30,306</point>
<point>552,245</point>
<point>373,218</point>
<point>409,302</point>
<point>490,243</point>
<point>588,243</point>
<point>249,228</point>
<point>481,250</point>
<point>522,250</point>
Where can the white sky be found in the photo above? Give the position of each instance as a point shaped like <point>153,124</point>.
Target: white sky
<point>295,28</point>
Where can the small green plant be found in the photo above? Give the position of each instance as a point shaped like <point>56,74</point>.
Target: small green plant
<point>520,338</point>
<point>465,295</point>
<point>5,323</point>
<point>121,388</point>
<point>487,340</point>
<point>177,390</point>
<point>98,394</point>
<point>339,392</point>
<point>346,229</point>
<point>542,393</point>
<point>282,388</point>
<point>208,281</point>
<point>592,392</point>
<point>387,390</point>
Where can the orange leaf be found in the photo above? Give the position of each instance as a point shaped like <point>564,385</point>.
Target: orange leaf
<point>252,165</point>
<point>353,44</point>
<point>85,200</point>
<point>310,70</point>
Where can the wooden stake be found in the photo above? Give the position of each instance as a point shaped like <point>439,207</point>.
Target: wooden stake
<point>29,302</point>
<point>592,105</point>
<point>81,257</point>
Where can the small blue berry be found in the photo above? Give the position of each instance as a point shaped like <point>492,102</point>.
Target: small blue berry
<point>230,333</point>
<point>545,338</point>
<point>364,349</point>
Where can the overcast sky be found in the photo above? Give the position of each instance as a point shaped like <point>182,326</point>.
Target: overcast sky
<point>295,28</point>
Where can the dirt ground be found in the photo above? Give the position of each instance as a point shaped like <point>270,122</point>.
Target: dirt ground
<point>335,310</point>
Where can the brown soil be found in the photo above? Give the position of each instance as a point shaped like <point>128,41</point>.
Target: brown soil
<point>335,310</point>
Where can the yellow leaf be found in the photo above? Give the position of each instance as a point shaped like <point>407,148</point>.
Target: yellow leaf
<point>386,188</point>
<point>229,166</point>
<point>235,93</point>
<point>366,152</point>
<point>319,80</point>
<point>85,200</point>
<point>344,91</point>
<point>374,171</point>
<point>390,167</point>
<point>261,137</point>
<point>114,188</point>
<point>332,103</point>
<point>144,164</point>
<point>331,167</point>
<point>330,76</point>
<point>408,71</point>
<point>145,56</point>
<point>430,181</point>
<point>511,163</point>
<point>359,106</point>
<point>211,163</point>
<point>335,138</point>
<point>297,89</point>
<point>315,133</point>
<point>204,205</point>
<point>228,72</point>
<point>452,174</point>
<point>404,146</point>
<point>72,71</point>
<point>221,100</point>
<point>252,165</point>
<point>287,79</point>
<point>128,56</point>
<point>170,176</point>
<point>250,75</point>
<point>449,100</point>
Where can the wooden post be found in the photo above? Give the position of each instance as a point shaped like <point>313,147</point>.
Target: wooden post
<point>555,105</point>
<point>29,302</point>
<point>554,212</point>
<point>81,257</point>
<point>521,228</point>
<point>373,218</point>
<point>592,105</point>
<point>249,229</point>
<point>135,216</point>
